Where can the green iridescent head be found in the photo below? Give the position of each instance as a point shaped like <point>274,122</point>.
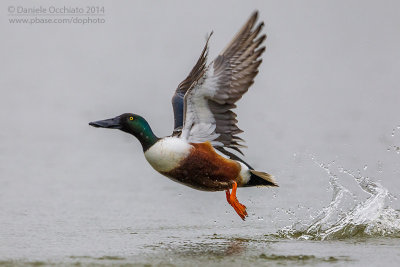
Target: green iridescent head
<point>132,124</point>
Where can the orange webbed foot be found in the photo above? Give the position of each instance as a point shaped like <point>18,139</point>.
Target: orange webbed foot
<point>233,201</point>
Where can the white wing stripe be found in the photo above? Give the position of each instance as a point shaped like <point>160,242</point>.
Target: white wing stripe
<point>200,123</point>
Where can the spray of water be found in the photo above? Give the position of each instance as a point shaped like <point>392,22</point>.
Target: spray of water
<point>347,216</point>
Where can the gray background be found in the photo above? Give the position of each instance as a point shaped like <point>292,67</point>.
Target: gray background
<point>328,90</point>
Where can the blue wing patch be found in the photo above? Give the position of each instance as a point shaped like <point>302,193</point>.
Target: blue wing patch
<point>177,104</point>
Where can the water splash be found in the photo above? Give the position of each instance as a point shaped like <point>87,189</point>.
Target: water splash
<point>347,216</point>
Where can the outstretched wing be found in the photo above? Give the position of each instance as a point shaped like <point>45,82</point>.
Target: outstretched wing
<point>195,74</point>
<point>209,101</point>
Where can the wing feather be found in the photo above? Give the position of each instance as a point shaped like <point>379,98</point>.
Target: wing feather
<point>209,100</point>
<point>195,74</point>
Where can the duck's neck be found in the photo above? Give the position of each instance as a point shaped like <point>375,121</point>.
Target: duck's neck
<point>142,131</point>
<point>147,138</point>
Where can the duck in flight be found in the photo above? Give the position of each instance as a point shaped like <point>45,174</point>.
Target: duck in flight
<point>197,154</point>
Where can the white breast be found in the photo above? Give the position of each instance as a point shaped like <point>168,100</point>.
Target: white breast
<point>167,153</point>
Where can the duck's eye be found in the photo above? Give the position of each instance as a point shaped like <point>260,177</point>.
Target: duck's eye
<point>131,118</point>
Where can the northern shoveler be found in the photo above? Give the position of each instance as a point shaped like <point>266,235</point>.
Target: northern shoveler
<point>205,122</point>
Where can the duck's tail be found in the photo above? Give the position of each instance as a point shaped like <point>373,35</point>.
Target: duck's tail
<point>256,178</point>
<point>261,179</point>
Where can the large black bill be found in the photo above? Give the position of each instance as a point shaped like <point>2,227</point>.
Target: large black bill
<point>113,123</point>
